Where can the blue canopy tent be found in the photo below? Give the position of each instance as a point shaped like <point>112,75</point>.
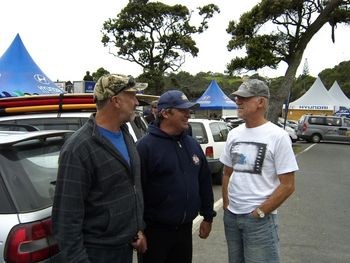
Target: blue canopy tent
<point>215,102</point>
<point>215,99</point>
<point>20,75</point>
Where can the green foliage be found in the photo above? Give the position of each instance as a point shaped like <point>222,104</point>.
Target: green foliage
<point>301,85</point>
<point>194,86</point>
<point>99,73</point>
<point>154,35</point>
<point>339,73</point>
<point>277,31</point>
<point>294,24</point>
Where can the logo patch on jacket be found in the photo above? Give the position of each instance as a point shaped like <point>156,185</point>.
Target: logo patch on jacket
<point>195,159</point>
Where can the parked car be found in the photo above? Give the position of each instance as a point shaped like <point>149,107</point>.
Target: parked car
<point>291,132</point>
<point>232,121</point>
<point>13,110</point>
<point>63,121</point>
<point>315,128</point>
<point>291,123</point>
<point>211,135</point>
<point>28,170</point>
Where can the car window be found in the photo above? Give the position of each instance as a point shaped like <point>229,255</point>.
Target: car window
<point>219,132</point>
<point>333,121</point>
<point>29,170</point>
<point>224,130</point>
<point>12,126</point>
<point>347,122</point>
<point>317,120</point>
<point>198,132</point>
<point>5,202</point>
<point>58,123</point>
<point>139,126</point>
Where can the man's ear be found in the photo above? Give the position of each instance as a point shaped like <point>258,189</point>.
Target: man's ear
<point>261,102</point>
<point>165,113</point>
<point>116,101</point>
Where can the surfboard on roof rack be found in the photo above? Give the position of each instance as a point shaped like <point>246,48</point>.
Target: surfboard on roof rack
<point>57,102</point>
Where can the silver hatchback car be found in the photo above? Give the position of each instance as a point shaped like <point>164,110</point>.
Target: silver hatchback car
<point>28,169</point>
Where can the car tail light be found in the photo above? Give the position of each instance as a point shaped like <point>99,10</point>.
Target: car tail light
<point>209,152</point>
<point>304,127</point>
<point>28,243</point>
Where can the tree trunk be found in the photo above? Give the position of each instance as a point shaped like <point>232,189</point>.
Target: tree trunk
<point>281,96</point>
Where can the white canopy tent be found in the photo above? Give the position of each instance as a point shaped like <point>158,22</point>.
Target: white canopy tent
<point>316,100</point>
<point>336,92</point>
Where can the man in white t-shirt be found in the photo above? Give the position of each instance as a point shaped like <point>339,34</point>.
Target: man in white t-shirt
<point>259,166</point>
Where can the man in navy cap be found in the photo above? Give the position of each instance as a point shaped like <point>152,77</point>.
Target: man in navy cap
<point>176,182</point>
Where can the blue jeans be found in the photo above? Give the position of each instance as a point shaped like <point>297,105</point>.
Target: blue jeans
<point>251,240</point>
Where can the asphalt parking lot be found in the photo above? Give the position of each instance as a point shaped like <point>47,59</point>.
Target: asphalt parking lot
<point>314,221</point>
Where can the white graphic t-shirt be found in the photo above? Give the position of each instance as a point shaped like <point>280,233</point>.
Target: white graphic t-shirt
<point>257,155</point>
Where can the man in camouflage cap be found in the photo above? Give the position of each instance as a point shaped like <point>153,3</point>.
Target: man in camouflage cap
<point>98,204</point>
<point>112,84</point>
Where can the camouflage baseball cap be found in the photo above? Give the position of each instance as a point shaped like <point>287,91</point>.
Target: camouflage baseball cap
<point>110,85</point>
<point>252,88</point>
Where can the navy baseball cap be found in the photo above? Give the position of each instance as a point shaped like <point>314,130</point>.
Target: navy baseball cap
<point>175,99</point>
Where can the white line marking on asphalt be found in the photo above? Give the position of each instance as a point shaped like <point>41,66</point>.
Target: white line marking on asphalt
<point>198,219</point>
<point>308,148</point>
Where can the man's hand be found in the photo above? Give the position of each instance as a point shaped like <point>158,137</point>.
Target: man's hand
<point>204,229</point>
<point>140,244</point>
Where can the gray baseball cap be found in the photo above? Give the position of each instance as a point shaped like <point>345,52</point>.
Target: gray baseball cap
<point>110,85</point>
<point>252,88</point>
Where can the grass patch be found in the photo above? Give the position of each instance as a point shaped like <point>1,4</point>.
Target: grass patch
<point>297,149</point>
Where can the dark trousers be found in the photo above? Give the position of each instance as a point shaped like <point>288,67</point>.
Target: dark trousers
<point>122,254</point>
<point>168,244</point>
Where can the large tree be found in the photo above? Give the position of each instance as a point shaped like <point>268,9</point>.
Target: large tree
<point>293,23</point>
<point>156,36</point>
<point>99,73</point>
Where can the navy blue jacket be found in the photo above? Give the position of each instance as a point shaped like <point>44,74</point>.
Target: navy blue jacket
<point>176,179</point>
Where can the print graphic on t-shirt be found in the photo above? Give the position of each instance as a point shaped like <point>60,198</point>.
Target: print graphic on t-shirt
<point>248,157</point>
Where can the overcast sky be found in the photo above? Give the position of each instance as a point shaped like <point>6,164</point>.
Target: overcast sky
<point>64,38</point>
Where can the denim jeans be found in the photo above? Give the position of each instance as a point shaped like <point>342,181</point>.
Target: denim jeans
<point>251,240</point>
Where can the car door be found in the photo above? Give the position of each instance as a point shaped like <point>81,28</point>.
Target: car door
<point>331,129</point>
<point>344,130</point>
